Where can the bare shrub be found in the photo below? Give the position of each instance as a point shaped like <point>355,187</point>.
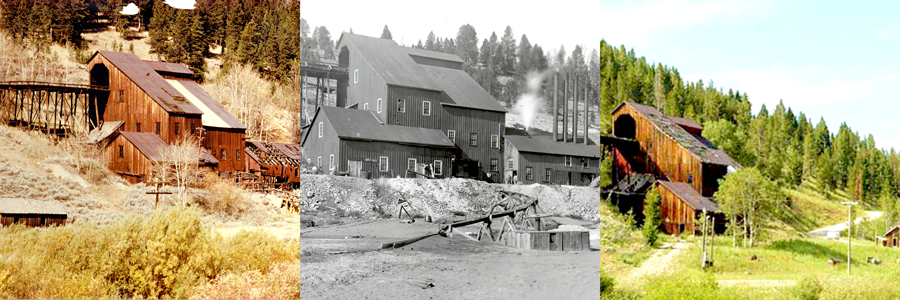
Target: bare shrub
<point>178,163</point>
<point>222,198</point>
<point>258,103</point>
<point>280,282</point>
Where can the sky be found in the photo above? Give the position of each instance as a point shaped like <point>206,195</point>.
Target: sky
<point>836,60</point>
<point>567,23</point>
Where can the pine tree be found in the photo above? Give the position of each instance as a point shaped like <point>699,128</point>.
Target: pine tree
<point>386,34</point>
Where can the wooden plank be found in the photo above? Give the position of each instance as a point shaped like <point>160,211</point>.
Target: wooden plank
<point>576,241</point>
<point>554,242</point>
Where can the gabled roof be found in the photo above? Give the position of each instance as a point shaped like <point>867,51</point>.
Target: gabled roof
<point>687,124</point>
<point>433,54</point>
<point>542,142</point>
<point>169,67</point>
<point>153,84</point>
<point>681,136</point>
<point>389,60</point>
<point>357,124</point>
<point>690,196</point>
<point>214,114</point>
<point>290,150</point>
<point>462,89</point>
<point>892,230</point>
<point>22,206</point>
<point>147,143</point>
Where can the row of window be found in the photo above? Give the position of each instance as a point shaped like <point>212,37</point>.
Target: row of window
<point>224,156</point>
<point>473,139</point>
<point>584,163</point>
<point>383,164</point>
<point>330,161</point>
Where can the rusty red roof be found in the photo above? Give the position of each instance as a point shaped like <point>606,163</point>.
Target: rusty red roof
<point>690,196</point>
<point>169,67</point>
<point>290,150</point>
<point>147,143</point>
<point>153,84</point>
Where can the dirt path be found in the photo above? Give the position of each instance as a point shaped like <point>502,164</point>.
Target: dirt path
<point>823,232</point>
<point>660,262</point>
<point>757,283</point>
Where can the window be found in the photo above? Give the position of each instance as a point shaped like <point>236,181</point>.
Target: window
<point>158,128</point>
<point>452,135</point>
<point>495,141</point>
<point>547,173</point>
<point>529,173</point>
<point>121,151</point>
<point>509,165</point>
<point>296,172</point>
<point>319,162</point>
<point>137,127</point>
<point>331,162</point>
<point>438,166</point>
<point>365,106</point>
<point>473,139</point>
<point>176,129</point>
<point>121,95</point>
<point>495,165</point>
<point>320,129</point>
<point>224,155</point>
<point>584,163</point>
<point>383,164</point>
<point>401,105</point>
<point>237,154</point>
<point>193,129</point>
<point>356,76</point>
<point>378,105</point>
<point>568,161</point>
<point>426,108</point>
<point>411,164</point>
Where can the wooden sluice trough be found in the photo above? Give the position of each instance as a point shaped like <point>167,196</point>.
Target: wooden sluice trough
<point>548,240</point>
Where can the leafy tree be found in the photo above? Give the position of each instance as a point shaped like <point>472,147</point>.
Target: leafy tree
<point>386,34</point>
<point>652,220</point>
<point>750,197</point>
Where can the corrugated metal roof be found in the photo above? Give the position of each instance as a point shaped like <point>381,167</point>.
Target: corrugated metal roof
<point>361,125</point>
<point>542,142</point>
<point>148,143</point>
<point>169,67</point>
<point>150,82</point>
<point>104,131</point>
<point>684,138</point>
<point>433,54</point>
<point>686,123</point>
<point>24,206</point>
<point>690,196</point>
<point>214,114</point>
<point>290,150</point>
<point>462,89</point>
<point>390,61</point>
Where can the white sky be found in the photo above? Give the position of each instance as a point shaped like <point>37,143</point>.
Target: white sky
<point>547,23</point>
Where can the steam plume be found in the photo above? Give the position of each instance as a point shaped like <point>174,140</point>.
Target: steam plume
<point>531,101</point>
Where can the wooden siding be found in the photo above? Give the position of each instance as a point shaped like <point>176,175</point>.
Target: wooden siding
<point>138,107</point>
<point>316,146</point>
<point>413,116</point>
<point>674,212</point>
<point>287,174</point>
<point>368,88</point>
<point>484,123</point>
<point>32,220</point>
<point>665,156</point>
<point>559,172</point>
<point>232,140</point>
<point>133,161</point>
<point>892,239</point>
<point>369,152</point>
<point>511,152</point>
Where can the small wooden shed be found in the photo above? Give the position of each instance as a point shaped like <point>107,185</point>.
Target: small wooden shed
<point>33,213</point>
<point>892,237</point>
<point>681,204</point>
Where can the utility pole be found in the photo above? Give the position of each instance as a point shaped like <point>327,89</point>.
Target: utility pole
<point>849,205</point>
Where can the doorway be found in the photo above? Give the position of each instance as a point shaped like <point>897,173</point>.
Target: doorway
<point>355,167</point>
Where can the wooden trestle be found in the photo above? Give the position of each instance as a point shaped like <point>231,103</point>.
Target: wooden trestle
<point>50,107</point>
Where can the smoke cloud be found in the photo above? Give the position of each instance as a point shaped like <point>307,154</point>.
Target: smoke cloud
<point>531,101</point>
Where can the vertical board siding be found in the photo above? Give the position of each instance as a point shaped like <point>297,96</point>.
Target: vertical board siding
<point>413,116</point>
<point>229,139</point>
<point>557,163</point>
<point>370,86</point>
<point>133,162</point>
<point>485,123</point>
<point>666,157</point>
<point>32,220</point>
<point>328,144</point>
<point>673,212</point>
<point>369,152</point>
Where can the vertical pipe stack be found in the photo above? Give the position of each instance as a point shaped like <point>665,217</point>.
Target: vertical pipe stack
<point>586,110</point>
<point>575,112</point>
<point>565,104</point>
<point>555,109</point>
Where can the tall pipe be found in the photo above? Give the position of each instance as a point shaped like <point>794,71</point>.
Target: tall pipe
<point>575,112</point>
<point>565,104</point>
<point>555,107</point>
<point>586,110</point>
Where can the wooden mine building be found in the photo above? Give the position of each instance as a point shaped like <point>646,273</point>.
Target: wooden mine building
<point>422,89</point>
<point>275,162</point>
<point>533,156</point>
<point>32,213</point>
<point>672,150</point>
<point>160,99</point>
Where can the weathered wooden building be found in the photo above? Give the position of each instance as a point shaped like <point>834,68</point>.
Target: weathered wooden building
<point>32,213</point>
<point>892,237</point>
<point>424,89</point>
<point>353,141</point>
<point>534,157</point>
<point>279,163</point>
<point>132,154</point>
<point>160,98</point>
<point>670,148</point>
<point>680,206</point>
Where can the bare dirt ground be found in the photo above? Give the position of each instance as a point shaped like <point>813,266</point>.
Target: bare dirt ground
<point>661,261</point>
<point>346,262</point>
